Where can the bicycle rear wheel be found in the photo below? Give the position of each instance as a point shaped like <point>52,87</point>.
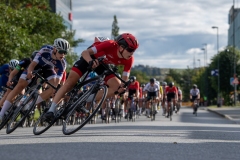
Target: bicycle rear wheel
<point>70,128</point>
<point>19,115</point>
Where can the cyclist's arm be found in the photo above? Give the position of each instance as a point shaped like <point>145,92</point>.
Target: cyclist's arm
<point>12,74</point>
<point>31,67</point>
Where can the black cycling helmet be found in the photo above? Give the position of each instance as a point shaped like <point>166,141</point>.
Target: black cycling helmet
<point>170,84</point>
<point>152,80</point>
<point>34,54</point>
<point>143,85</point>
<point>133,78</point>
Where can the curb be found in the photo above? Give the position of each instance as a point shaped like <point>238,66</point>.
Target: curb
<point>222,115</point>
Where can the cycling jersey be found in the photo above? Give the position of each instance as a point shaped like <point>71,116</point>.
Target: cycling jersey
<point>46,62</point>
<point>150,88</point>
<point>194,92</point>
<point>108,48</point>
<point>132,89</point>
<point>171,90</point>
<point>4,72</point>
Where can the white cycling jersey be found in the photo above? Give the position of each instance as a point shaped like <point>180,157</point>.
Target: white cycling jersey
<point>194,92</point>
<point>150,88</point>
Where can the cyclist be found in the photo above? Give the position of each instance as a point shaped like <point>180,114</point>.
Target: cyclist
<point>19,67</point>
<point>118,52</point>
<point>164,86</point>
<point>133,96</point>
<point>5,70</point>
<point>141,99</point>
<point>179,99</point>
<point>172,95</point>
<point>194,95</point>
<point>48,58</point>
<point>153,92</point>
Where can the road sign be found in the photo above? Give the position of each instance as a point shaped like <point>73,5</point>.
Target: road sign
<point>231,81</point>
<point>235,81</point>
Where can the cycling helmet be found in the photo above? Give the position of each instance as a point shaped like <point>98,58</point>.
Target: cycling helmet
<point>194,86</point>
<point>34,54</point>
<point>61,44</point>
<point>152,80</point>
<point>133,78</point>
<point>170,84</point>
<point>127,40</point>
<point>164,83</point>
<point>143,85</point>
<point>13,63</point>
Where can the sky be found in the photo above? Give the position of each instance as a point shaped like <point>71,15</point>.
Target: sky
<point>170,32</point>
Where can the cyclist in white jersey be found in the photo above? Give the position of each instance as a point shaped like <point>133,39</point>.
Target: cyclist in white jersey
<point>194,94</point>
<point>153,91</point>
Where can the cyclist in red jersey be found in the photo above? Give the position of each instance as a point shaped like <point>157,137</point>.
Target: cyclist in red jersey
<point>117,52</point>
<point>172,95</point>
<point>133,95</point>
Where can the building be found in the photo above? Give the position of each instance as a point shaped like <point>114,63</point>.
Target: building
<point>64,7</point>
<point>234,27</point>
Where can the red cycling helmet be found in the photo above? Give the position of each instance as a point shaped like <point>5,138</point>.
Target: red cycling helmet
<point>127,40</point>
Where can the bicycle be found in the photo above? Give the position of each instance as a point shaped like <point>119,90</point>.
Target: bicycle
<point>195,106</point>
<point>153,109</point>
<point>43,124</point>
<point>99,85</point>
<point>170,109</point>
<point>14,105</point>
<point>30,96</point>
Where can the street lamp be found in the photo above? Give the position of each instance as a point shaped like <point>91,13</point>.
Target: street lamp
<point>199,63</point>
<point>214,27</point>
<point>203,49</point>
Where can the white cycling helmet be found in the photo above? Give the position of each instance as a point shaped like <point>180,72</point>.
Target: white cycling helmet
<point>61,44</point>
<point>13,63</point>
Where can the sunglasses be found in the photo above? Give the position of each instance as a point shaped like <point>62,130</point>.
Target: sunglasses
<point>62,52</point>
<point>130,50</point>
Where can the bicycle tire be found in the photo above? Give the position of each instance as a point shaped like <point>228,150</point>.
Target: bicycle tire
<point>10,112</point>
<point>38,126</point>
<point>12,124</point>
<point>66,128</point>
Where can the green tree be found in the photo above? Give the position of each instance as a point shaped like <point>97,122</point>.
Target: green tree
<point>26,25</point>
<point>115,28</point>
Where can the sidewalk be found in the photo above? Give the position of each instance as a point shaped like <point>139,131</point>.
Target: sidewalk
<point>231,113</point>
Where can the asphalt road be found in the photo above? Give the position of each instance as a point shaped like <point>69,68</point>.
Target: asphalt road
<point>207,136</point>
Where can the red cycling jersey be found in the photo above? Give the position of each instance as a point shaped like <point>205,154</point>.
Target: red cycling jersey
<point>110,49</point>
<point>171,90</point>
<point>64,77</point>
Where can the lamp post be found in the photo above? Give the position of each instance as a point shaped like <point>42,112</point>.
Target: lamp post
<point>203,49</point>
<point>199,63</point>
<point>218,96</point>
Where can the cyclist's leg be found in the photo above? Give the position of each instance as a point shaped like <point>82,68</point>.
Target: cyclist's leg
<point>4,97</point>
<point>17,90</point>
<point>69,84</point>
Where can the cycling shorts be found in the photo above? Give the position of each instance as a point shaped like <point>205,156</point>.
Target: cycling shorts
<point>80,67</point>
<point>151,95</point>
<point>170,96</point>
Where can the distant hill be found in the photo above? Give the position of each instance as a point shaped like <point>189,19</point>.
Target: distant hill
<point>159,73</point>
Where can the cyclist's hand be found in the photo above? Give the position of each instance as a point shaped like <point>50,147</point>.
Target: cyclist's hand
<point>9,83</point>
<point>95,63</point>
<point>29,75</point>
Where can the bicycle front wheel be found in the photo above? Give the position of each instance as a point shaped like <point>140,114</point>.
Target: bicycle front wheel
<point>69,126</point>
<point>19,114</point>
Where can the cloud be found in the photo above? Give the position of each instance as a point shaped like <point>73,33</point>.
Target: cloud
<point>168,31</point>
